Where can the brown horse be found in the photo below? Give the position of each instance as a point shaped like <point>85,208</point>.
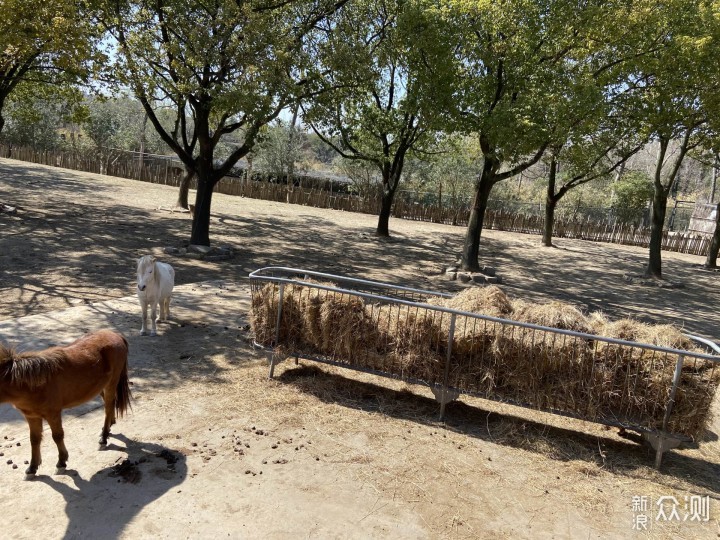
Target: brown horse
<point>41,384</point>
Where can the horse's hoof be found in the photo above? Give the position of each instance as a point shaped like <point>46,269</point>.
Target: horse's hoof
<point>29,476</point>
<point>60,470</point>
<point>143,333</point>
<point>153,334</point>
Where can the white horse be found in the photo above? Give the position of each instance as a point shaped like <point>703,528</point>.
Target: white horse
<point>155,282</point>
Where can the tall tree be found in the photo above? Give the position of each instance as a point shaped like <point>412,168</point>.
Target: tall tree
<point>225,66</point>
<point>591,156</point>
<point>509,60</point>
<point>680,82</point>
<point>714,248</point>
<point>42,41</point>
<point>375,109</point>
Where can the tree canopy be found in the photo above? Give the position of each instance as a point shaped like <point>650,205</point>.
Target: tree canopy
<point>43,41</point>
<point>224,66</point>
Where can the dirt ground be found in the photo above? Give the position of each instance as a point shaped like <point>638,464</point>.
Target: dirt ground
<point>214,449</point>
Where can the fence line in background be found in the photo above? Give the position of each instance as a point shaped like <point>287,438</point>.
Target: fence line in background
<point>167,173</point>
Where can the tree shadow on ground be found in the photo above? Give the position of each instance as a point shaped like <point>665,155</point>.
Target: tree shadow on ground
<point>508,428</point>
<point>90,231</point>
<point>102,506</point>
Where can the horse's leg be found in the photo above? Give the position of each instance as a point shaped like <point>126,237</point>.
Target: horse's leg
<point>166,304</point>
<point>144,306</point>
<point>153,318</point>
<point>164,309</point>
<point>36,426</point>
<point>58,435</point>
<point>108,395</point>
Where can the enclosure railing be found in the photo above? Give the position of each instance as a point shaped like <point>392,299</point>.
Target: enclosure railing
<point>400,332</point>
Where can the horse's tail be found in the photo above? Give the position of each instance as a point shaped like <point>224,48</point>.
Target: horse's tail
<point>122,392</point>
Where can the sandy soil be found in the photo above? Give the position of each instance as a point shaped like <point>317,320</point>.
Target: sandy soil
<point>215,449</point>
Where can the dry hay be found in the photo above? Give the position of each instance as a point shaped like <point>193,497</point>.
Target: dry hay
<point>582,376</point>
<point>553,314</point>
<point>414,341</point>
<point>299,321</point>
<point>647,376</point>
<point>475,341</point>
<point>347,330</point>
<point>490,300</point>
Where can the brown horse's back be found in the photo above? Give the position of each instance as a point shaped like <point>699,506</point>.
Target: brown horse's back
<point>93,362</point>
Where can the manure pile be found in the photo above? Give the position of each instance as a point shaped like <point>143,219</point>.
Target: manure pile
<point>594,379</point>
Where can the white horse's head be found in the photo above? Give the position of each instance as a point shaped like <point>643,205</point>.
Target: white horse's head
<point>145,271</point>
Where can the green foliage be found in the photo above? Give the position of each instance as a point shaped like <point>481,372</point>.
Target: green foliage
<point>35,112</point>
<point>282,150</point>
<point>373,107</point>
<point>449,174</point>
<point>43,41</point>
<point>633,192</point>
<point>114,124</point>
<point>363,175</point>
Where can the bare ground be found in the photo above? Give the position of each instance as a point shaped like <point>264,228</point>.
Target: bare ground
<point>213,448</point>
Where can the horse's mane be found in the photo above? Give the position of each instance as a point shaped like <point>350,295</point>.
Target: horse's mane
<point>30,368</point>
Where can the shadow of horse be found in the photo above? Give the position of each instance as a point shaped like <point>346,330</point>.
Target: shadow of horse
<point>149,471</point>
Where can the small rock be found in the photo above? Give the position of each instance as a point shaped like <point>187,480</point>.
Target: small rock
<point>452,276</point>
<point>464,277</point>
<point>488,270</point>
<point>195,248</point>
<point>479,278</point>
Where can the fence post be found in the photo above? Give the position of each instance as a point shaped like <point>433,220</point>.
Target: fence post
<point>277,330</point>
<point>444,394</point>
<point>668,410</point>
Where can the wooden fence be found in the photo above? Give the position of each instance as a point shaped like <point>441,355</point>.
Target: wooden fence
<point>164,171</point>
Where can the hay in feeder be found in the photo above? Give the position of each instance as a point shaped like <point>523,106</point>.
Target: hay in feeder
<point>552,314</point>
<point>413,338</point>
<point>347,330</point>
<point>580,375</point>
<point>490,300</point>
<point>638,381</point>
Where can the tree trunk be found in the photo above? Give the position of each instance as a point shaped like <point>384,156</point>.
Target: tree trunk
<point>3,95</point>
<point>291,154</point>
<point>141,157</point>
<point>660,197</point>
<point>716,163</point>
<point>383,226</point>
<point>711,261</point>
<point>659,209</point>
<point>200,235</point>
<point>550,205</point>
<point>657,219</point>
<point>471,249</point>
<point>249,171</point>
<point>182,200</point>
